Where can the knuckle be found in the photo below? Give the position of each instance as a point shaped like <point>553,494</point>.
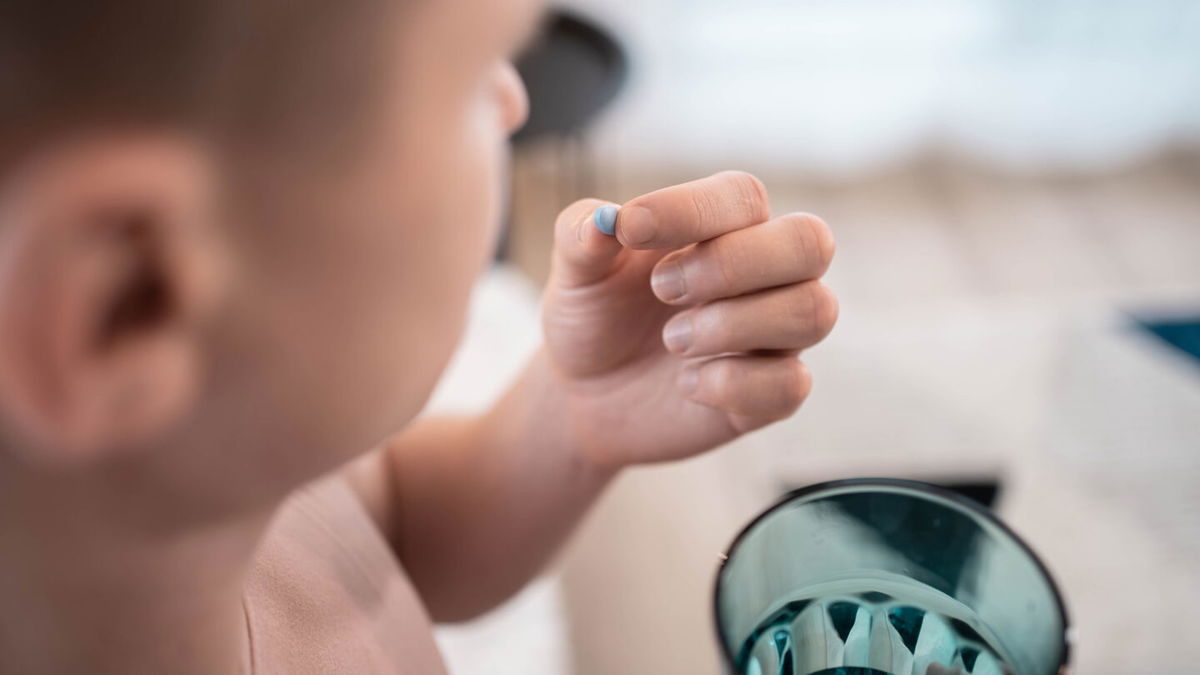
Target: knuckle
<point>725,266</point>
<point>745,424</point>
<point>826,244</point>
<point>828,310</point>
<point>796,385</point>
<point>813,239</point>
<point>751,191</point>
<point>703,209</point>
<point>788,392</point>
<point>814,311</point>
<point>721,376</point>
<point>713,332</point>
<point>823,309</point>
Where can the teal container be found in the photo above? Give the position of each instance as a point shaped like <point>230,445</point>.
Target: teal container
<point>886,577</point>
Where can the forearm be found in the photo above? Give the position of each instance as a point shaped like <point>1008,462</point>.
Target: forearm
<point>481,504</point>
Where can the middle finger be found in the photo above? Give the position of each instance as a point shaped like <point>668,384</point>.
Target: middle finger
<point>788,249</point>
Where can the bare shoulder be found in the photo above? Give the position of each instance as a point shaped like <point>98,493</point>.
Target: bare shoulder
<point>325,592</point>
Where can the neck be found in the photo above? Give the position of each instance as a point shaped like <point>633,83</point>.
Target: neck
<point>84,590</point>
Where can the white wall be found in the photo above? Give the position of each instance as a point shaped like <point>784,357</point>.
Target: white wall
<point>841,86</point>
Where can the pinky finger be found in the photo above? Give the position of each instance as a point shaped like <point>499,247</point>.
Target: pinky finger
<point>754,390</point>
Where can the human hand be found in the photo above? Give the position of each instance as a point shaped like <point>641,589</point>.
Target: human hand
<point>682,331</point>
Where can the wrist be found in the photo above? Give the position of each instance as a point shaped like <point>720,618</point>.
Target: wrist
<point>544,412</point>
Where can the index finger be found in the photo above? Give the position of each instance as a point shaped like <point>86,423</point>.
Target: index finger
<point>692,212</point>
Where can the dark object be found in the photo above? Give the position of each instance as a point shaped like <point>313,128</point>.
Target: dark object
<point>571,72</point>
<point>981,490</point>
<point>1182,334</point>
<point>943,548</point>
<point>984,492</point>
<point>911,542</point>
<point>955,548</point>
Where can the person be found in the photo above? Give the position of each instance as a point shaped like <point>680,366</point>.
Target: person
<point>237,240</point>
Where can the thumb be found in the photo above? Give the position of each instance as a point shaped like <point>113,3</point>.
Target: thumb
<point>582,253</point>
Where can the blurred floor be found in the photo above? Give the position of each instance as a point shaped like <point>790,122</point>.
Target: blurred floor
<point>984,333</point>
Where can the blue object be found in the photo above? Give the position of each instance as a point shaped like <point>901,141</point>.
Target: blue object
<point>1183,334</point>
<point>606,220</point>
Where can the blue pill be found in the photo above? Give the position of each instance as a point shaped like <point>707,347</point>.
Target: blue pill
<point>606,219</point>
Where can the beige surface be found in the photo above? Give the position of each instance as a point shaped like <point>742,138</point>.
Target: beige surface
<point>982,333</point>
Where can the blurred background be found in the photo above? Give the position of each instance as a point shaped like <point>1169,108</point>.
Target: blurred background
<point>1015,188</point>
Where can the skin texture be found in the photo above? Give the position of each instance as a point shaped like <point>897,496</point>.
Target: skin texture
<point>185,338</point>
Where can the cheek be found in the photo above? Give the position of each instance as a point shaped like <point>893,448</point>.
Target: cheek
<point>472,204</point>
<point>443,195</point>
<point>487,158</point>
<point>353,310</point>
<point>462,190</point>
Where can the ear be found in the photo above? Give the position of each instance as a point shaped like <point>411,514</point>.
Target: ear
<point>109,268</point>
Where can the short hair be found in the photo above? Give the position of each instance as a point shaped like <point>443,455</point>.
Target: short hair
<point>256,75</point>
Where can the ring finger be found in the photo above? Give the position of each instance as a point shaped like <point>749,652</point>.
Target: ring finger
<point>784,318</point>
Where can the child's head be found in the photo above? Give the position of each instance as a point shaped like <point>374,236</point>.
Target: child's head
<point>237,236</point>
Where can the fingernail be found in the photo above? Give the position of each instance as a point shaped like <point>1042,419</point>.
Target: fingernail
<point>677,335</point>
<point>606,219</point>
<point>689,379</point>
<point>668,282</point>
<point>637,225</point>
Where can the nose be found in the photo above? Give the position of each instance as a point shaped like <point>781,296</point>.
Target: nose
<point>514,100</point>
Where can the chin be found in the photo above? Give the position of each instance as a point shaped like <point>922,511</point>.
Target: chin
<point>420,381</point>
